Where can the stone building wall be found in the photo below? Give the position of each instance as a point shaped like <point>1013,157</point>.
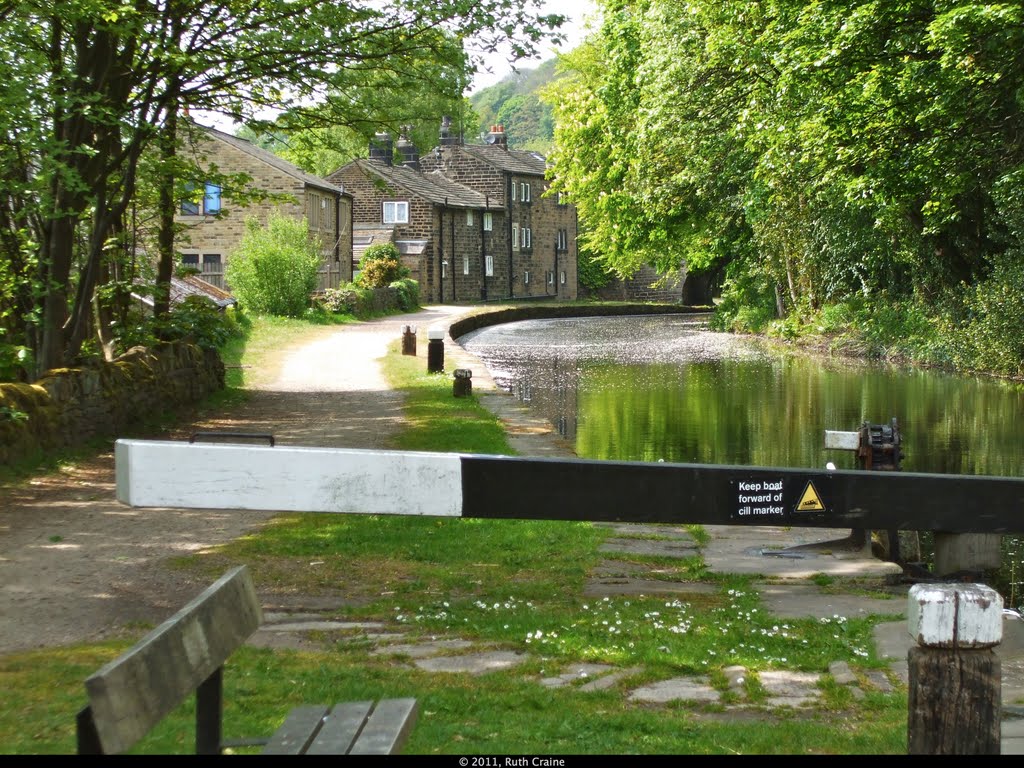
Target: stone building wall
<point>208,235</point>
<point>68,407</point>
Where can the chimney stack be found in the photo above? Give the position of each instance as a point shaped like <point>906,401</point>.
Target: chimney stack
<point>406,148</point>
<point>381,148</point>
<point>447,138</point>
<point>497,137</point>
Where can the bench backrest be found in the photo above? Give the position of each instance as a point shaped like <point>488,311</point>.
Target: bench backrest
<point>131,694</point>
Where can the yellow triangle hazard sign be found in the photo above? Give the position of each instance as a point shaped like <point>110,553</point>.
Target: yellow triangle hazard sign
<point>810,501</point>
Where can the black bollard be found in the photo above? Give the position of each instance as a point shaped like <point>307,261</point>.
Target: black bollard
<point>409,340</point>
<point>462,386</point>
<point>435,352</point>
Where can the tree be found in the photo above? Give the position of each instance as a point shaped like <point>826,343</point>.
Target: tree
<point>92,85</point>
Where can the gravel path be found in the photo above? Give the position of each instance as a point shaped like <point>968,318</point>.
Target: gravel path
<point>76,565</point>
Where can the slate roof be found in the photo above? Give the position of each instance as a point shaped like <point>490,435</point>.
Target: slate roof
<point>190,285</point>
<point>273,160</point>
<point>432,186</point>
<point>512,160</point>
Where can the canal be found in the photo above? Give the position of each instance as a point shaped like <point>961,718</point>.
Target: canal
<point>664,387</point>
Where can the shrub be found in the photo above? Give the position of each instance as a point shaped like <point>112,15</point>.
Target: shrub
<point>408,294</point>
<point>274,269</point>
<point>379,273</point>
<point>379,251</point>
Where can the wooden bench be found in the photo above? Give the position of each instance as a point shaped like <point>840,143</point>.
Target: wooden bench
<point>186,654</point>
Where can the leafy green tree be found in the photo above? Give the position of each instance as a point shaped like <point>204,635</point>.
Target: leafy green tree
<point>92,86</point>
<point>274,269</point>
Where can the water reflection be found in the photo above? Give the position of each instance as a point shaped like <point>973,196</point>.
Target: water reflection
<point>665,387</point>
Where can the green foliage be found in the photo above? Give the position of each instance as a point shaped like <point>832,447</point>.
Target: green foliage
<point>592,273</point>
<point>15,362</point>
<point>408,294</point>
<point>195,320</point>
<point>989,333</point>
<point>379,251</point>
<point>274,269</point>
<point>379,272</point>
<point>515,103</point>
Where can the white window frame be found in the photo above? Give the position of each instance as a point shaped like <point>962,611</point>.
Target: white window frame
<point>514,190</point>
<point>526,277</point>
<point>489,265</point>
<point>563,277</point>
<point>526,237</point>
<point>396,207</point>
<point>469,217</point>
<point>515,237</point>
<point>488,221</point>
<point>551,278</point>
<point>524,192</point>
<point>465,265</point>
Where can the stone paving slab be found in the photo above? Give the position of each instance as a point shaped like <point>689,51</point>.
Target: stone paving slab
<point>474,663</point>
<point>676,689</point>
<point>1013,737</point>
<point>625,587</point>
<point>650,547</point>
<point>576,673</point>
<point>797,601</point>
<point>424,649</point>
<point>645,529</point>
<point>792,689</point>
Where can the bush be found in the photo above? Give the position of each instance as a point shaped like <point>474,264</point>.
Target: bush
<point>408,294</point>
<point>379,273</point>
<point>379,252</point>
<point>274,269</point>
<point>196,320</point>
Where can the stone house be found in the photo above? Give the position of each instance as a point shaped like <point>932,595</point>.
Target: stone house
<point>212,227</point>
<point>473,222</point>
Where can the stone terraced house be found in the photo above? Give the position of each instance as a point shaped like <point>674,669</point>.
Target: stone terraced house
<point>472,222</point>
<point>213,227</point>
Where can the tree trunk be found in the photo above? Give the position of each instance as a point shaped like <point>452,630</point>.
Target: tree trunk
<point>165,237</point>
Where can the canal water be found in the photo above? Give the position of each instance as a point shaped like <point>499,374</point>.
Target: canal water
<point>644,388</point>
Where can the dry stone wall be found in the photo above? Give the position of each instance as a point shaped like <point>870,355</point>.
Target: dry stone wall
<point>70,406</point>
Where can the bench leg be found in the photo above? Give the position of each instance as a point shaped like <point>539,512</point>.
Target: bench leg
<point>210,714</point>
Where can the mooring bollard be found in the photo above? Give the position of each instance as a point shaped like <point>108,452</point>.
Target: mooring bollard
<point>409,340</point>
<point>435,351</point>
<point>954,695</point>
<point>462,386</point>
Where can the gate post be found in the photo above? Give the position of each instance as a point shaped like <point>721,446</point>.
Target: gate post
<point>954,683</point>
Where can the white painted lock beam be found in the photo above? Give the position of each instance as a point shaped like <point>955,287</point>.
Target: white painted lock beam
<point>842,441</point>
<point>287,479</point>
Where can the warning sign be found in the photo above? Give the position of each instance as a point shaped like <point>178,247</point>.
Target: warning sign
<point>810,501</point>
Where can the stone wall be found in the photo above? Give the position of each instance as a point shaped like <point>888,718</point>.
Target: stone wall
<point>70,406</point>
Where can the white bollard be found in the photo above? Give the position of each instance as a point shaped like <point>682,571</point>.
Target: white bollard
<point>955,696</point>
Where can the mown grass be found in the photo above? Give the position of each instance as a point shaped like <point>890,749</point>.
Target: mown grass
<point>516,585</point>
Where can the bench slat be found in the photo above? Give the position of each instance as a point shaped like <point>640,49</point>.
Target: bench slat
<point>341,728</point>
<point>297,731</point>
<point>134,692</point>
<point>388,728</point>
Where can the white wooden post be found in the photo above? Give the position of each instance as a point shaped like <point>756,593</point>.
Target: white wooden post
<point>955,697</point>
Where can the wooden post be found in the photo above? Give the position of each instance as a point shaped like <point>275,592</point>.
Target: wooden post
<point>955,697</point>
<point>409,340</point>
<point>435,351</point>
<point>462,386</point>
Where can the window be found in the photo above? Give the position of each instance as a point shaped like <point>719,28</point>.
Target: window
<point>469,218</point>
<point>489,265</point>
<point>563,240</point>
<point>514,188</point>
<point>465,265</point>
<point>325,214</point>
<point>444,269</point>
<point>515,237</point>
<point>524,192</point>
<point>211,199</point>
<point>525,237</point>
<point>563,278</point>
<point>396,213</point>
<point>551,278</point>
<point>488,222</point>
<point>526,277</point>
<point>208,206</point>
<point>190,260</point>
